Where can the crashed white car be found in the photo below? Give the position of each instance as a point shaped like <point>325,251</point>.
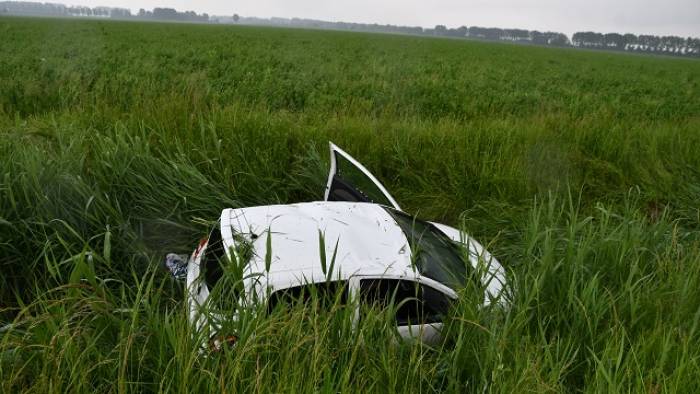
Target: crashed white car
<point>380,254</point>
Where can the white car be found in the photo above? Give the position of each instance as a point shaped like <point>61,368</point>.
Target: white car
<point>380,253</point>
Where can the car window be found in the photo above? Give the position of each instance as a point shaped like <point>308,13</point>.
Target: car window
<point>326,294</point>
<point>415,303</point>
<point>435,254</point>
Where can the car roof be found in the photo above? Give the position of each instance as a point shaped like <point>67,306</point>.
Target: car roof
<point>368,239</point>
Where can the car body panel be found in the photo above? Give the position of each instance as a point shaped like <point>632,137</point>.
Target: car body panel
<point>368,240</point>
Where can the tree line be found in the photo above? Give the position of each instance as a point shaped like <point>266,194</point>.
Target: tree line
<point>612,41</point>
<point>170,14</point>
<point>673,45</point>
<point>495,33</point>
<point>53,9</point>
<point>642,43</point>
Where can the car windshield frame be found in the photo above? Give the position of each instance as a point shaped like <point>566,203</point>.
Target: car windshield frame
<point>434,254</point>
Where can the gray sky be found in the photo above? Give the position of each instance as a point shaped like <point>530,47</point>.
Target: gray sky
<point>660,17</point>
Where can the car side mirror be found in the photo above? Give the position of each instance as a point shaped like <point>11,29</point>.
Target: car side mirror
<point>176,264</point>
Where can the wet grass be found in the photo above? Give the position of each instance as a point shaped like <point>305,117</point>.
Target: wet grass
<point>120,141</point>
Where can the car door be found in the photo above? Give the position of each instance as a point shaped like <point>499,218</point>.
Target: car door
<point>419,309</point>
<point>348,180</point>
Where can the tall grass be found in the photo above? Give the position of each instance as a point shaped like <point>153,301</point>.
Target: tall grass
<point>121,141</point>
<point>607,302</point>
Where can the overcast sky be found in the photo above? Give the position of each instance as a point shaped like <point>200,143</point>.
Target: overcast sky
<point>660,17</point>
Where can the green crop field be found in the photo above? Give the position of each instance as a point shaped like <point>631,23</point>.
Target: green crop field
<point>121,141</point>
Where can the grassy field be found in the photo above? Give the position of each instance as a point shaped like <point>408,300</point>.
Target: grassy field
<point>120,141</point>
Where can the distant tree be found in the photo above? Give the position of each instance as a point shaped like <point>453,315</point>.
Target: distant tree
<point>648,42</point>
<point>119,13</point>
<point>614,41</point>
<point>558,39</point>
<point>692,46</point>
<point>673,44</point>
<point>236,18</point>
<point>654,42</point>
<point>441,30</point>
<point>630,41</point>
<point>101,11</point>
<point>538,37</point>
<point>516,35</point>
<point>165,14</point>
<point>493,33</point>
<point>455,33</point>
<point>415,30</point>
<point>588,39</point>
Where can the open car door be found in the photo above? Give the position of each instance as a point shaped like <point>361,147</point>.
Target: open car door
<point>348,180</point>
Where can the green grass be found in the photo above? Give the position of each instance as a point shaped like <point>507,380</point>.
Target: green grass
<point>120,141</point>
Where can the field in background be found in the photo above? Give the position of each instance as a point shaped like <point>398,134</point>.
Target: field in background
<point>119,141</point>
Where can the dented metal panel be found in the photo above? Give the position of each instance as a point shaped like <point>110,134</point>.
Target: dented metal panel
<point>367,238</point>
